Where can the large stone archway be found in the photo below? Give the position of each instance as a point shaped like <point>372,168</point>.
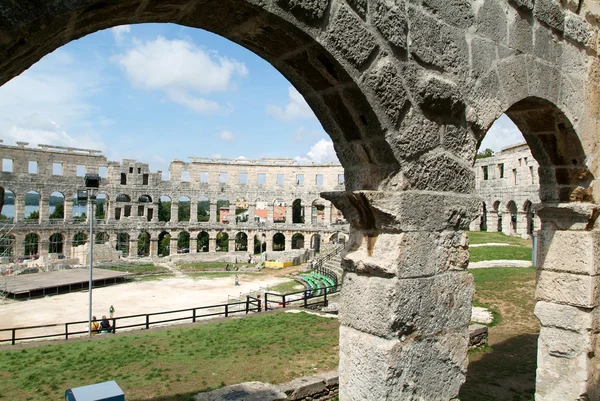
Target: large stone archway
<point>406,90</point>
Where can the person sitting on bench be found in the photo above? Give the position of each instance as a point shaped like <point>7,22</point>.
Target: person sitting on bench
<point>105,326</point>
<point>95,325</point>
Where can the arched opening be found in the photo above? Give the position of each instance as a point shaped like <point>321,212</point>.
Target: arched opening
<point>336,216</point>
<point>183,242</point>
<point>483,218</point>
<point>32,206</point>
<point>528,211</point>
<point>164,244</point>
<point>223,216</point>
<point>101,206</point>
<point>241,242</point>
<point>511,222</point>
<point>164,208</point>
<point>8,207</point>
<point>337,238</point>
<point>499,216</point>
<point>143,244</point>
<point>318,212</point>
<point>123,243</point>
<point>222,242</point>
<point>278,242</point>
<point>56,206</point>
<point>101,238</point>
<point>79,213</point>
<point>279,211</point>
<point>297,212</point>
<point>260,243</point>
<point>32,245</point>
<point>144,209</point>
<point>241,211</point>
<point>203,239</point>
<point>315,242</point>
<point>7,245</point>
<point>56,243</point>
<point>79,238</point>
<point>297,241</point>
<point>203,209</point>
<point>183,211</point>
<point>261,212</point>
<point>123,206</point>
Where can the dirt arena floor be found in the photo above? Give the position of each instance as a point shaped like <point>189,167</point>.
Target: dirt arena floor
<point>131,298</point>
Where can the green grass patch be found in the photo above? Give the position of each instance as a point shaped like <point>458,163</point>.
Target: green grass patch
<point>174,364</point>
<point>287,287</point>
<point>209,275</point>
<point>483,237</point>
<point>139,269</point>
<point>203,266</point>
<point>499,253</point>
<point>154,277</point>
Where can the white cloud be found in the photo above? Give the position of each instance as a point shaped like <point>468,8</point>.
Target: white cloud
<point>43,104</point>
<point>119,32</point>
<point>501,134</point>
<point>180,69</point>
<point>296,109</point>
<point>226,136</point>
<point>321,152</point>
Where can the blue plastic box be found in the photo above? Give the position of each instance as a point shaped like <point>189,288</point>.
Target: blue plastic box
<point>107,391</point>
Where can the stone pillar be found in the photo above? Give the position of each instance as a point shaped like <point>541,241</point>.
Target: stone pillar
<point>213,213</point>
<point>288,241</point>
<point>251,213</point>
<point>19,245</point>
<point>406,301</point>
<point>67,246</point>
<point>212,244</point>
<point>68,217</point>
<point>522,225</point>
<point>327,214</point>
<point>568,295</point>
<point>155,213</point>
<point>193,243</point>
<point>108,216</point>
<point>231,244</point>
<point>193,211</point>
<point>44,215</point>
<point>269,242</point>
<point>475,224</point>
<point>174,212</point>
<point>133,246</point>
<point>43,245</point>
<point>270,210</point>
<point>173,245</point>
<point>308,214</point>
<point>289,214</point>
<point>492,221</point>
<point>153,247</point>
<point>506,223</point>
<point>19,208</point>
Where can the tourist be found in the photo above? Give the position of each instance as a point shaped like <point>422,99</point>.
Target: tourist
<point>227,267</point>
<point>105,326</point>
<point>95,326</point>
<point>111,311</point>
<point>236,280</point>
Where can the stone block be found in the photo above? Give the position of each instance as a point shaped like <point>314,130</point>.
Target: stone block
<point>309,11</point>
<point>483,55</point>
<point>453,12</point>
<point>440,99</point>
<point>405,210</point>
<point>567,288</point>
<point>349,37</point>
<point>440,172</point>
<point>526,5</point>
<point>302,387</point>
<point>520,34</point>
<point>390,21</point>
<point>416,135</point>
<point>513,78</point>
<point>545,46</point>
<point>385,82</point>
<point>580,31</point>
<point>408,255</point>
<point>492,21</point>
<point>565,317</point>
<point>478,335</point>
<point>460,141</point>
<point>544,80</point>
<point>372,368</point>
<point>331,379</point>
<point>414,307</point>
<point>550,13</point>
<point>569,251</point>
<point>567,216</point>
<point>360,6</point>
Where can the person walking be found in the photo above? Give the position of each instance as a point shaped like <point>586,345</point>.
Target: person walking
<point>111,311</point>
<point>236,280</point>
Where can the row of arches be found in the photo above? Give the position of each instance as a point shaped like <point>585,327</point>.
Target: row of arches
<point>507,218</point>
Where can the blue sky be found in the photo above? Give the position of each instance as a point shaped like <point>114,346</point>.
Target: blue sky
<point>154,92</point>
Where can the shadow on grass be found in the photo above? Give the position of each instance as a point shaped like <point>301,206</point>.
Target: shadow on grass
<point>256,395</point>
<point>505,372</point>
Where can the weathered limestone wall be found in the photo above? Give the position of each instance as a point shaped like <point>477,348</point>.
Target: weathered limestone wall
<point>406,90</point>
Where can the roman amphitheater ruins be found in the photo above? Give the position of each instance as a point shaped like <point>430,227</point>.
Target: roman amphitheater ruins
<point>406,90</point>
<point>271,198</point>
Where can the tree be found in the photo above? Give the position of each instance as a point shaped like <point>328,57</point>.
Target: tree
<point>164,245</point>
<point>203,210</point>
<point>485,153</point>
<point>183,213</point>
<point>59,212</point>
<point>100,210</point>
<point>35,215</point>
<point>164,210</point>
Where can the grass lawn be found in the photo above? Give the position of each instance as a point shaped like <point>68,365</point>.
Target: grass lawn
<point>203,266</point>
<point>139,269</point>
<point>287,287</point>
<point>499,252</point>
<point>219,275</point>
<point>483,237</point>
<point>175,364</point>
<point>506,369</point>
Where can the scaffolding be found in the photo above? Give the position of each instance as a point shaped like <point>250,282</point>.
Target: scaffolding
<point>9,269</point>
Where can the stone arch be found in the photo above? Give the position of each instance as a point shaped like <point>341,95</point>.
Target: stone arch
<point>101,238</point>
<point>145,198</point>
<point>223,210</point>
<point>315,242</point>
<point>483,217</point>
<point>260,243</point>
<point>184,204</point>
<point>222,241</point>
<point>79,238</point>
<point>32,205</point>
<point>528,216</point>
<point>183,242</point>
<point>56,205</point>
<point>510,220</point>
<point>7,245</point>
<point>241,241</point>
<point>56,243</point>
<point>203,210</point>
<point>279,210</point>
<point>8,206</point>
<point>164,244</point>
<point>297,211</point>
<point>297,241</point>
<point>203,241</point>
<point>164,208</point>
<point>122,244</point>
<point>102,206</point>
<point>143,244</point>
<point>278,242</point>
<point>317,216</point>
<point>32,245</point>
<point>240,211</point>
